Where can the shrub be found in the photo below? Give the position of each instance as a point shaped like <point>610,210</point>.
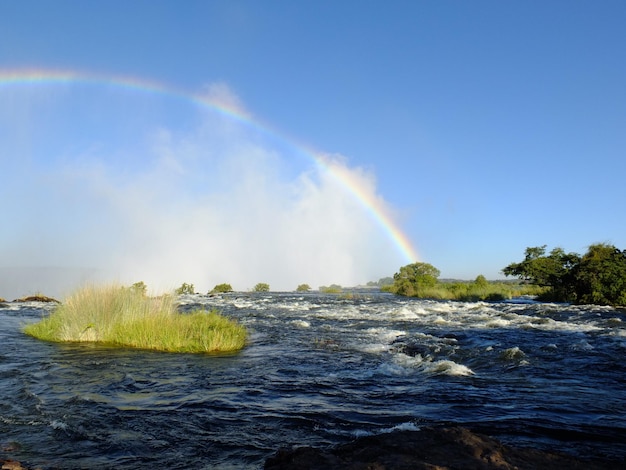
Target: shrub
<point>185,289</point>
<point>332,289</point>
<point>262,287</point>
<point>124,317</point>
<point>303,288</point>
<point>221,288</point>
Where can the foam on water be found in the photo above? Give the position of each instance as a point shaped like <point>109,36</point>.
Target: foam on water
<point>429,366</point>
<point>318,370</point>
<point>301,323</point>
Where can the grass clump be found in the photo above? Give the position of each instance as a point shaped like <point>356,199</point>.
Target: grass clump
<point>126,317</point>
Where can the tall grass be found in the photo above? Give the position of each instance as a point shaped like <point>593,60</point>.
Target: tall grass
<point>126,317</point>
<point>472,291</point>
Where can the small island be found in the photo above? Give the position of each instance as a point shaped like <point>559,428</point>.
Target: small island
<point>127,317</point>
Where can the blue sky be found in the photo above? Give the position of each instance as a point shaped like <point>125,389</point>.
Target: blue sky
<point>485,126</point>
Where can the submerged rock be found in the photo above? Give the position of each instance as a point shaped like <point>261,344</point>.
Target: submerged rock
<point>431,448</point>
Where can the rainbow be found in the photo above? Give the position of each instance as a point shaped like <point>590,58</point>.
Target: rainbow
<point>374,206</point>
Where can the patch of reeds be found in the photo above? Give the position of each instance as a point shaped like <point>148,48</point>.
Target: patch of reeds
<point>473,292</point>
<point>126,317</point>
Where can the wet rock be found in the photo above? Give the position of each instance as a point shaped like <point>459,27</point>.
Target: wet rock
<point>403,345</point>
<point>37,298</point>
<point>429,449</point>
<point>11,465</point>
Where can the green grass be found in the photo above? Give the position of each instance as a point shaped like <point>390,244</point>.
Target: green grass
<point>472,292</point>
<point>125,317</point>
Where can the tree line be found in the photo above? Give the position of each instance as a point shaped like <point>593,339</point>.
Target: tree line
<point>597,277</point>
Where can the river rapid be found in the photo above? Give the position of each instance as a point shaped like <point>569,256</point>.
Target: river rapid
<point>318,370</point>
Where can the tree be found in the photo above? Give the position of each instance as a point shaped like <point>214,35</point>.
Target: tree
<point>413,278</point>
<point>303,288</point>
<point>481,282</point>
<point>554,271</point>
<point>221,288</point>
<point>262,287</point>
<point>598,277</point>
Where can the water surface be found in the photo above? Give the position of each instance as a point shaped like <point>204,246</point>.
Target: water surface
<point>319,370</point>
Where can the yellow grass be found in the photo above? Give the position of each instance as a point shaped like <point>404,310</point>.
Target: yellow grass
<point>125,317</point>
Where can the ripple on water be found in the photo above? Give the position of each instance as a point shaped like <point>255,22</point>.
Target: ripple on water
<point>318,370</point>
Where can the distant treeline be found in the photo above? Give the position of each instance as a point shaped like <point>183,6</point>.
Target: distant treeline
<point>421,280</point>
<point>597,277</point>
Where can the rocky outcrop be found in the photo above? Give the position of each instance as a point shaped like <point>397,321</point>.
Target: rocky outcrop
<point>37,298</point>
<point>430,448</point>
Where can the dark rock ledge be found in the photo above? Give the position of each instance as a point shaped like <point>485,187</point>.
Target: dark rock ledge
<point>431,448</point>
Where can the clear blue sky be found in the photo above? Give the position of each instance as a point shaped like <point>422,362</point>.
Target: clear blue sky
<point>486,126</point>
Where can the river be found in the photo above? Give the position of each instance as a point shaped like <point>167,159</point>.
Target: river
<point>318,370</point>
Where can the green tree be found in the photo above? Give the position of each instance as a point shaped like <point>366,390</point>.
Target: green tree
<point>481,282</point>
<point>303,288</point>
<point>600,277</point>
<point>262,287</point>
<point>185,289</point>
<point>413,278</point>
<point>221,288</point>
<point>554,271</point>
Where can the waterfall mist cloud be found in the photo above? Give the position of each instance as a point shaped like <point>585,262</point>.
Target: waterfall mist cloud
<point>210,201</point>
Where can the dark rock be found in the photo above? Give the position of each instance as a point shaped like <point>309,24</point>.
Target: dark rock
<point>37,298</point>
<point>403,345</point>
<point>431,448</point>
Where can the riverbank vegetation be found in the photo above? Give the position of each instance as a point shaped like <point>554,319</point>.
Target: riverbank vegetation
<point>421,280</point>
<point>597,277</point>
<point>126,317</point>
<point>221,289</point>
<point>332,289</point>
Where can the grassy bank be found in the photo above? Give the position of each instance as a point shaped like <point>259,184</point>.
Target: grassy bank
<point>470,291</point>
<point>126,317</point>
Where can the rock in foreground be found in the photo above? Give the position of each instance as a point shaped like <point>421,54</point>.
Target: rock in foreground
<point>429,449</point>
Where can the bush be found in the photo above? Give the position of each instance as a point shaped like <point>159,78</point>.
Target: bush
<point>332,289</point>
<point>185,289</point>
<point>221,288</point>
<point>262,287</point>
<point>124,317</point>
<point>303,288</point>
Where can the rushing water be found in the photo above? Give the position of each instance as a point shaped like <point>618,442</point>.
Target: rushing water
<point>318,370</point>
